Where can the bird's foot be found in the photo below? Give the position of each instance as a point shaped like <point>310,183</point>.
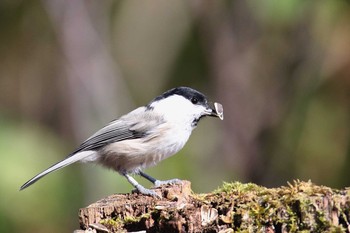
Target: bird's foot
<point>159,183</point>
<point>147,192</point>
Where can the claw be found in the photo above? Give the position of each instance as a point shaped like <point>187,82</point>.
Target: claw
<point>159,183</point>
<point>147,192</point>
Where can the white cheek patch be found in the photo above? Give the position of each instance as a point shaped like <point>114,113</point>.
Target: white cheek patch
<point>219,110</point>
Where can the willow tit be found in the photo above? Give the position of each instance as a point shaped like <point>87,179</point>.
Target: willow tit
<point>143,137</point>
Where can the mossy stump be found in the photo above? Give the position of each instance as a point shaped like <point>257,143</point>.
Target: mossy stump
<point>235,207</point>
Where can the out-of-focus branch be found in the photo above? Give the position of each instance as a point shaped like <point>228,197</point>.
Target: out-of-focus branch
<point>95,88</point>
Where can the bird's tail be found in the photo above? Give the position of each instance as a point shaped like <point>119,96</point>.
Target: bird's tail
<point>80,156</point>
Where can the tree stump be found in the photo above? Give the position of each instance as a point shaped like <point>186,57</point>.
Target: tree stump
<point>301,206</point>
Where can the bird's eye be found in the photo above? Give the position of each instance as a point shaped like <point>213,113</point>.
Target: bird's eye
<point>194,100</point>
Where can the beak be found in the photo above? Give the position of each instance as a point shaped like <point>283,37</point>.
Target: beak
<point>217,111</point>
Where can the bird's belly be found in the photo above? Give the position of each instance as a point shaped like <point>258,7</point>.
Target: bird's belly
<point>159,154</point>
<point>131,156</point>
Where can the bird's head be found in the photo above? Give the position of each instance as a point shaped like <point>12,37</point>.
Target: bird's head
<point>184,105</point>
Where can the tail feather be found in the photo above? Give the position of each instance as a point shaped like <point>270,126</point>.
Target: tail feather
<point>69,160</point>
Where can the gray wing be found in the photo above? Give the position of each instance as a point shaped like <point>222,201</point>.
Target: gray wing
<point>136,124</point>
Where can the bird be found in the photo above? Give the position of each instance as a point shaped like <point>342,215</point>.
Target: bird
<point>143,137</point>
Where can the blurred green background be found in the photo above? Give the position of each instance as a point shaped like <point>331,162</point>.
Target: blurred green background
<point>281,69</point>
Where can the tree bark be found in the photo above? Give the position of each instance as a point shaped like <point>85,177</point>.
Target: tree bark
<point>301,206</point>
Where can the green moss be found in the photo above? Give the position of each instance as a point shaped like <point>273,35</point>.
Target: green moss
<point>294,207</point>
<point>132,219</point>
<point>115,224</point>
<point>237,187</point>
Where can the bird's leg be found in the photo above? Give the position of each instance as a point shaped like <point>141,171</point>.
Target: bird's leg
<point>158,183</point>
<point>140,188</point>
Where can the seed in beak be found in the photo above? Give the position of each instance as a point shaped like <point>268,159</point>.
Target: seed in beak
<point>219,110</point>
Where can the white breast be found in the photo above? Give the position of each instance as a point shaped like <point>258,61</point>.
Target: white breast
<point>174,142</point>
<point>133,155</point>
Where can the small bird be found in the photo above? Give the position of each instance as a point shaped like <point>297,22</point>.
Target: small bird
<point>143,137</point>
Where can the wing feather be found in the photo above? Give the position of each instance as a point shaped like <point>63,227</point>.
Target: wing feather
<point>134,125</point>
